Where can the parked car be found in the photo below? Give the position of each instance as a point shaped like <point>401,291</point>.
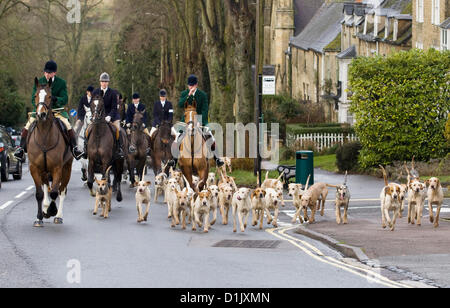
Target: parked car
<point>8,163</point>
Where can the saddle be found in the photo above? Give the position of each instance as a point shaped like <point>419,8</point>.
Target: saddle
<point>62,128</point>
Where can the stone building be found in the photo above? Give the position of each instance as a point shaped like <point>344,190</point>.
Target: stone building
<point>314,65</point>
<point>431,24</point>
<point>371,28</point>
<point>282,20</point>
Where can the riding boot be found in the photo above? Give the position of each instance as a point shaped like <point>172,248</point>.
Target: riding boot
<point>22,149</point>
<point>219,162</point>
<point>207,136</point>
<point>77,154</point>
<point>119,146</point>
<point>179,136</point>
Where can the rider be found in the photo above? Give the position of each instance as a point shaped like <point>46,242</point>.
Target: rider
<point>85,102</point>
<point>136,105</point>
<point>201,99</point>
<point>162,111</point>
<point>110,103</point>
<point>59,100</point>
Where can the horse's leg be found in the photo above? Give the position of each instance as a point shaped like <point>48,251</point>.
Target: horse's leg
<point>46,201</point>
<point>67,170</point>
<point>118,179</point>
<point>56,184</point>
<point>39,195</point>
<point>203,175</point>
<point>90,181</point>
<point>131,163</point>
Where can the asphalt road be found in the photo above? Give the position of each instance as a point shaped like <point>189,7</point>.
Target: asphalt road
<point>118,252</point>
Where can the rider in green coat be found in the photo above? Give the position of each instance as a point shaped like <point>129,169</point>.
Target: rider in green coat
<point>201,99</point>
<point>59,100</point>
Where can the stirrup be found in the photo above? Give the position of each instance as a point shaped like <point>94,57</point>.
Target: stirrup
<point>19,154</point>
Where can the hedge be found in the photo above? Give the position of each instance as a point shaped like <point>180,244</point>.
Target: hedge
<point>401,104</point>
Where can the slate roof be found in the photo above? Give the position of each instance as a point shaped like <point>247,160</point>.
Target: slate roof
<point>445,24</point>
<point>349,53</point>
<point>322,29</point>
<point>304,11</point>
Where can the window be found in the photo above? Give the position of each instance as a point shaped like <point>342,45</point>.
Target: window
<point>419,45</point>
<point>444,39</point>
<point>435,12</point>
<point>419,10</point>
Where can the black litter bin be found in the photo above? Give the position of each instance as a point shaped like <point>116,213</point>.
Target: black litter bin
<point>304,167</point>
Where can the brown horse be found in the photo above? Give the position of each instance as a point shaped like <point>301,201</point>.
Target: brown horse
<point>49,157</point>
<point>101,147</point>
<point>139,143</point>
<point>121,109</point>
<point>161,147</point>
<point>193,158</point>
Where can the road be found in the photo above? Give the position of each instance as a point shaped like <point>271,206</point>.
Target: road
<point>118,252</point>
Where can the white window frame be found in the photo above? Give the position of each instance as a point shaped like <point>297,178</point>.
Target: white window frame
<point>445,33</point>
<point>375,25</point>
<point>419,11</point>
<point>419,45</point>
<point>435,12</point>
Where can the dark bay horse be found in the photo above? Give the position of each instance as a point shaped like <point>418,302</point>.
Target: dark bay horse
<point>193,158</point>
<point>101,147</point>
<point>49,157</point>
<point>137,152</point>
<point>161,147</point>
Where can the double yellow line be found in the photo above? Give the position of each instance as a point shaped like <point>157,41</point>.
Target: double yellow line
<point>315,253</point>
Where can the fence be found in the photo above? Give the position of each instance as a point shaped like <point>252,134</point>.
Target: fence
<point>321,141</point>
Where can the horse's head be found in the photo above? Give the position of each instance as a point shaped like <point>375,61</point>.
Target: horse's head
<point>190,114</point>
<point>43,100</point>
<point>98,107</point>
<point>138,121</point>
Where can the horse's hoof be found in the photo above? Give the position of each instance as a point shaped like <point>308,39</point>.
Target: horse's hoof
<point>47,216</point>
<point>119,198</point>
<point>38,224</point>
<point>58,221</point>
<point>52,209</point>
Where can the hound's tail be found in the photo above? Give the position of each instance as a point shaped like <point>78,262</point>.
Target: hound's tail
<point>384,175</point>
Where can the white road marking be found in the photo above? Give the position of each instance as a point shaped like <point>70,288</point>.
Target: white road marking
<point>29,188</point>
<point>4,206</point>
<point>21,195</point>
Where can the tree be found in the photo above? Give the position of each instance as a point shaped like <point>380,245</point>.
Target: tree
<point>12,108</point>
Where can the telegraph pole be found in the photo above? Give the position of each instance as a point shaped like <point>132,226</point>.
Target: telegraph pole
<point>259,52</point>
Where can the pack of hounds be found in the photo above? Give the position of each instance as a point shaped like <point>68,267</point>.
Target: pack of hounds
<point>188,206</point>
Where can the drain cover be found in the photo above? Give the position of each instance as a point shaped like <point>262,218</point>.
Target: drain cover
<point>248,244</point>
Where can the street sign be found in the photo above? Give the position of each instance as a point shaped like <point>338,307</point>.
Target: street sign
<point>268,87</point>
<point>73,113</point>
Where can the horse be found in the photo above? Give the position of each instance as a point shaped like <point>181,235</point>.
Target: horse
<point>49,157</point>
<point>139,143</point>
<point>193,158</point>
<point>161,147</point>
<point>81,131</point>
<point>101,147</point>
<point>121,110</point>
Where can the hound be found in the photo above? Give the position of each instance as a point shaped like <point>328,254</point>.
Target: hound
<point>214,189</point>
<point>342,200</point>
<point>241,206</point>
<point>258,199</point>
<point>275,184</point>
<point>390,202</point>
<point>180,208</point>
<point>171,195</point>
<point>143,196</point>
<point>103,195</point>
<point>311,199</point>
<point>160,186</point>
<point>201,211</point>
<point>273,202</point>
<point>435,197</point>
<point>225,199</point>
<point>416,199</point>
<point>211,179</point>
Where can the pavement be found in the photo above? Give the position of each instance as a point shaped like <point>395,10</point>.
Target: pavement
<point>421,253</point>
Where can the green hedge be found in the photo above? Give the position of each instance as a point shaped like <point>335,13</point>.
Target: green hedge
<point>401,104</point>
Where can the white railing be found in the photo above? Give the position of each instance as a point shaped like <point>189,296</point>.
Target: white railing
<point>321,141</point>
